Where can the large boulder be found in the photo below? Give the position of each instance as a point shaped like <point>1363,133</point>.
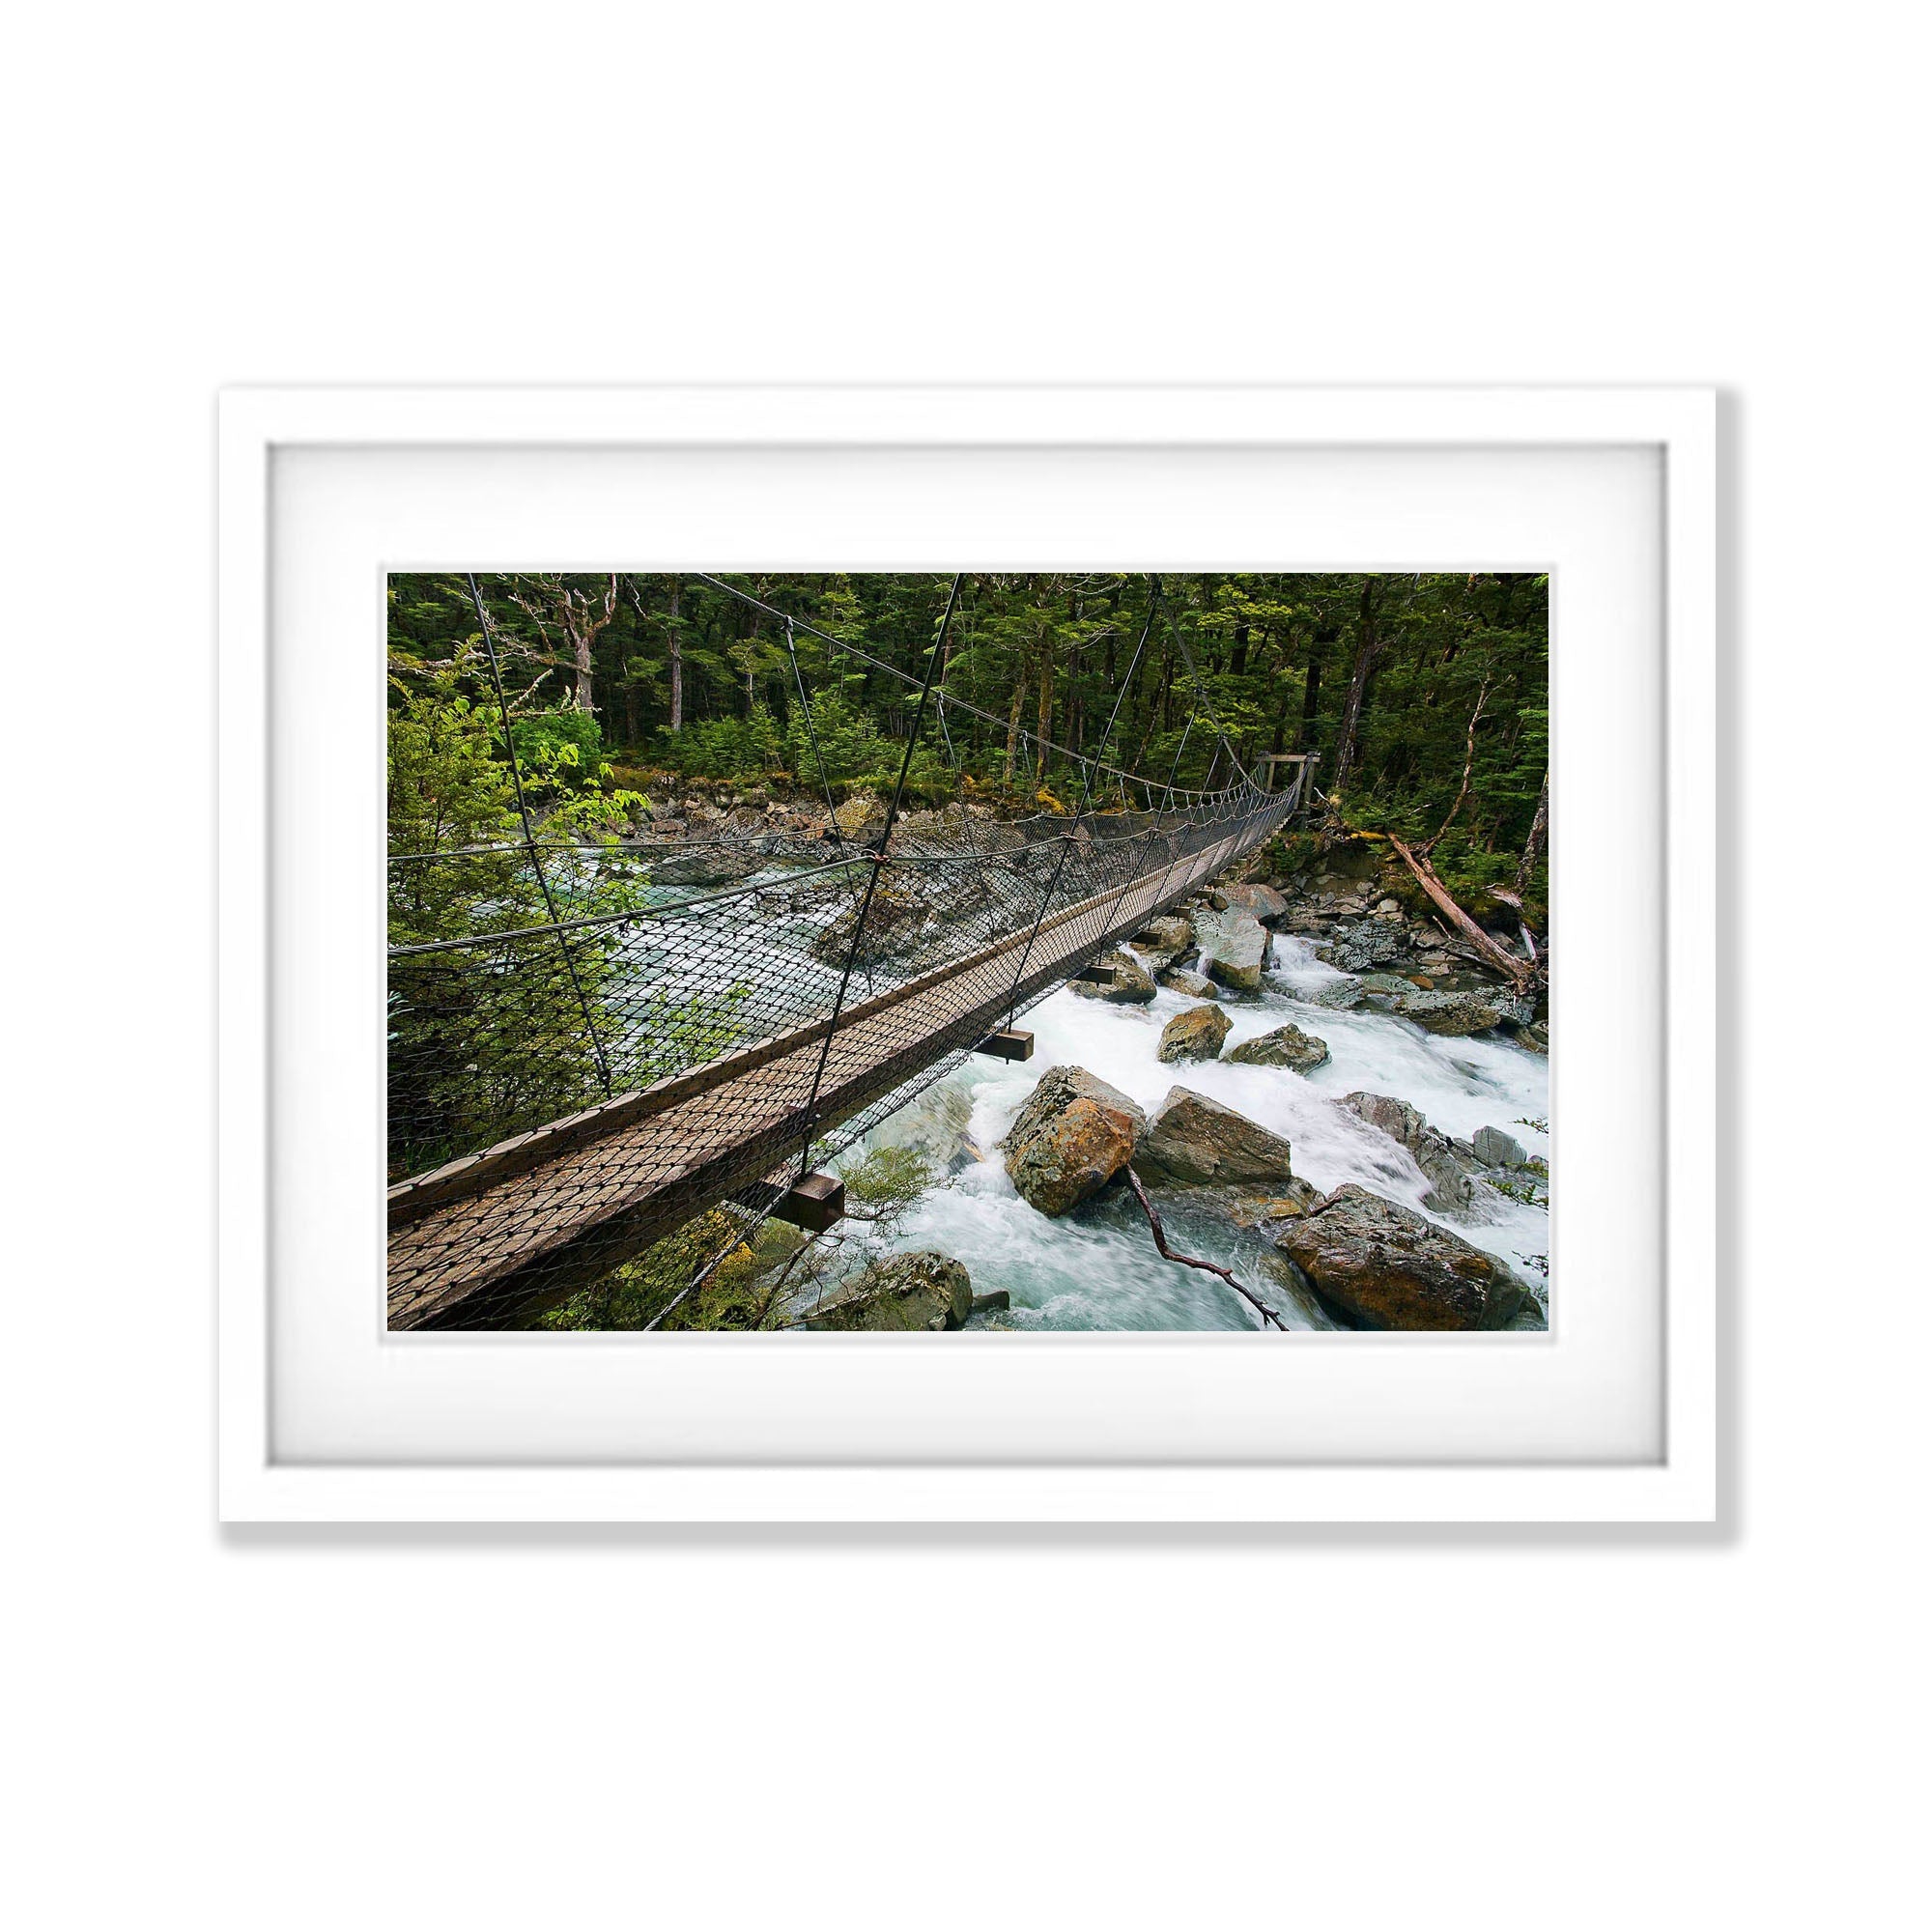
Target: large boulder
<point>1372,942</point>
<point>705,865</point>
<point>1073,1136</point>
<point>1196,1034</point>
<point>1161,941</point>
<point>1285,1046</point>
<point>1234,948</point>
<point>925,1290</point>
<point>1496,1148</point>
<point>1193,1141</point>
<point>1195,986</point>
<point>1262,901</point>
<point>894,921</point>
<point>1341,994</point>
<point>1257,1203</point>
<point>1453,1015</point>
<point>1451,1190</point>
<point>1373,1265</point>
<point>861,817</point>
<point>1132,985</point>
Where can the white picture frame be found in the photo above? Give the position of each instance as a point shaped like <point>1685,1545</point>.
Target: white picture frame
<point>291,1448</point>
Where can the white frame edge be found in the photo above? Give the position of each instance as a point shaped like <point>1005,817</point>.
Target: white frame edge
<point>1682,422</point>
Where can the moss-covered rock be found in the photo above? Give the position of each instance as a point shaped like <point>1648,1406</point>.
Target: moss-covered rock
<point>1195,1140</point>
<point>1375,1265</point>
<point>1195,1034</point>
<point>1285,1046</point>
<point>920,1292</point>
<point>1073,1136</point>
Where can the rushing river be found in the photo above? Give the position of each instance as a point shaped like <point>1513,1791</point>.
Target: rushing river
<point>1098,1268</point>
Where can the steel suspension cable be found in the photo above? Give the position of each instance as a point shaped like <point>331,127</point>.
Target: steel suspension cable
<point>1086,795</point>
<point>811,733</point>
<point>879,859</point>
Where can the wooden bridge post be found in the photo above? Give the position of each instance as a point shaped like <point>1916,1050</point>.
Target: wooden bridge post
<point>816,1204</point>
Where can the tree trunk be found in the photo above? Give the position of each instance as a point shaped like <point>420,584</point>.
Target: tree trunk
<point>1358,684</point>
<point>1469,766</point>
<point>1281,711</point>
<point>1539,830</point>
<point>1520,976</point>
<point>674,632</point>
<point>1045,700</point>
<point>1013,726</point>
<point>1311,695</point>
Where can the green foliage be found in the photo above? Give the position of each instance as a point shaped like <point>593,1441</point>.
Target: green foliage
<point>1268,659</point>
<point>746,1290</point>
<point>726,748</point>
<point>548,740</point>
<point>446,788</point>
<point>470,1045</point>
<point>888,1180</point>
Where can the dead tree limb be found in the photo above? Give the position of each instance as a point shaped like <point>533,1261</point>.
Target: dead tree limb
<point>1519,973</point>
<point>1469,765</point>
<point>1539,830</point>
<point>1168,1254</point>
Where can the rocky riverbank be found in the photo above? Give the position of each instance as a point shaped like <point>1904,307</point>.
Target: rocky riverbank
<point>1317,1092</point>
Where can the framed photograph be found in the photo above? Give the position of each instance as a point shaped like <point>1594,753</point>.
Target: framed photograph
<point>968,954</point>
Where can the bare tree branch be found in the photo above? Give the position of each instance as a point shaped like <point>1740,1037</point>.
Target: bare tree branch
<point>1469,765</point>
<point>1166,1253</point>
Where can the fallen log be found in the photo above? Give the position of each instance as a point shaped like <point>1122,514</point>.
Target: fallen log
<point>1519,975</point>
<point>1168,1254</point>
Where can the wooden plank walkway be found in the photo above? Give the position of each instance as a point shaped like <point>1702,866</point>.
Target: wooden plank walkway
<point>494,1240</point>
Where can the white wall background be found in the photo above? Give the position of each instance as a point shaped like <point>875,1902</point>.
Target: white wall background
<point>588,1729</point>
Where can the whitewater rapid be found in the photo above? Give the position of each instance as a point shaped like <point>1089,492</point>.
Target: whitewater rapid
<point>1098,1268</point>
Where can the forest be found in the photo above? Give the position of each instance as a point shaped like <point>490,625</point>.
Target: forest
<point>1424,695</point>
<point>672,868</point>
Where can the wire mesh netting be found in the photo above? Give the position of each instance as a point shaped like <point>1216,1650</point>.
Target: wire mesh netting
<point>618,1058</point>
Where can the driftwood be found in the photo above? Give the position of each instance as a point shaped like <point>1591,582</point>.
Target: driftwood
<point>1520,975</point>
<point>1168,1254</point>
<point>1515,904</point>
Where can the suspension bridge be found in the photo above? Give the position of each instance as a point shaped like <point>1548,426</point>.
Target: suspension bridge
<point>642,1075</point>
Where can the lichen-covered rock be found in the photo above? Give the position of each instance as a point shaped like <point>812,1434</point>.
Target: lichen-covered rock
<point>1256,1203</point>
<point>1451,1190</point>
<point>1073,1136</point>
<point>1132,984</point>
<point>1193,1141</point>
<point>861,817</point>
<point>894,921</point>
<point>1375,1265</point>
<point>1372,942</point>
<point>925,1290</point>
<point>1496,1148</point>
<point>1262,901</point>
<point>1453,1015</point>
<point>1285,1046</point>
<point>1195,986</point>
<point>1340,995</point>
<point>1234,948</point>
<point>1196,1034</point>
